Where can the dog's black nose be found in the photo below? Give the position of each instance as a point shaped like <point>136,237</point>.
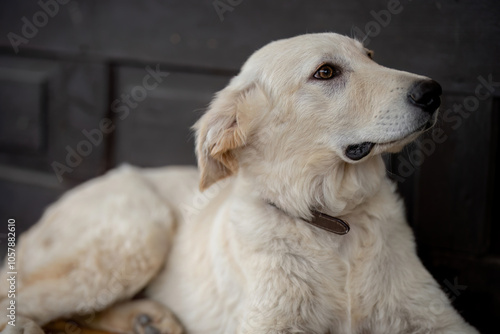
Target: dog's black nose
<point>425,95</point>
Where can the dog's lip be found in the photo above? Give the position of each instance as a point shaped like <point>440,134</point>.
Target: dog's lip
<point>357,152</point>
<point>419,129</point>
<point>426,126</point>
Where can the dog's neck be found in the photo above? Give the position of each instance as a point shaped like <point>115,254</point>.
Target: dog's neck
<point>350,185</point>
<point>335,194</point>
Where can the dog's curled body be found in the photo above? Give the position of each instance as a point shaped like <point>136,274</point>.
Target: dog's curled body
<point>238,256</point>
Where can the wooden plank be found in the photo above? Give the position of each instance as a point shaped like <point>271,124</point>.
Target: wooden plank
<point>495,185</point>
<point>156,130</point>
<point>23,202</point>
<point>74,101</point>
<point>422,36</point>
<point>24,96</point>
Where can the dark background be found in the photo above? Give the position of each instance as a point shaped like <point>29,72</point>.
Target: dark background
<point>83,55</point>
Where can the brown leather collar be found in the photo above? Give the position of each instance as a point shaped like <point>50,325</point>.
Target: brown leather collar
<point>329,223</point>
<point>326,222</point>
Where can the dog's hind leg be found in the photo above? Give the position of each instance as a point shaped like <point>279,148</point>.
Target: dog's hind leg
<point>135,317</point>
<point>99,244</point>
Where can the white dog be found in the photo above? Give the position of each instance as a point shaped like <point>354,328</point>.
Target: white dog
<point>297,230</point>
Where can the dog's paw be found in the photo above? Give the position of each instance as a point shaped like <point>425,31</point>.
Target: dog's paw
<point>163,324</point>
<point>135,317</point>
<point>23,326</point>
<point>143,324</point>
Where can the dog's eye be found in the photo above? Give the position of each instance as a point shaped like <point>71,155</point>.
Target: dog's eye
<point>325,72</point>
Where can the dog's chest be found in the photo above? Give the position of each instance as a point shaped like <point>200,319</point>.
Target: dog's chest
<point>319,281</point>
<point>288,275</point>
<point>339,273</point>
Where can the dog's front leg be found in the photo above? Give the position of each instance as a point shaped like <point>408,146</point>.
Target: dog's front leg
<point>254,327</point>
<point>262,319</point>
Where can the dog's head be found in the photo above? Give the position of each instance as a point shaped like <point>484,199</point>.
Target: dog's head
<point>308,109</point>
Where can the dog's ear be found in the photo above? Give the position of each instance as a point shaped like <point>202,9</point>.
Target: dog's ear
<point>223,129</point>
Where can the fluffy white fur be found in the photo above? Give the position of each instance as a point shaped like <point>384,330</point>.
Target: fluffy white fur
<point>226,261</point>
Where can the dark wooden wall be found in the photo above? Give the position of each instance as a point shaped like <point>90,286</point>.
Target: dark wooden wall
<point>81,66</point>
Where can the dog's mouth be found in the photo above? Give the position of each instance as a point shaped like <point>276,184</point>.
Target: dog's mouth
<point>357,152</point>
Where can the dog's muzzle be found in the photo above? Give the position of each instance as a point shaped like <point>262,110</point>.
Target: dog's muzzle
<point>426,95</point>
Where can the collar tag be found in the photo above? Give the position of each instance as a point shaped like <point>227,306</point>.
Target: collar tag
<point>329,223</point>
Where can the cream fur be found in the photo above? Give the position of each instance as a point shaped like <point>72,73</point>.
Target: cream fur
<point>224,260</point>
